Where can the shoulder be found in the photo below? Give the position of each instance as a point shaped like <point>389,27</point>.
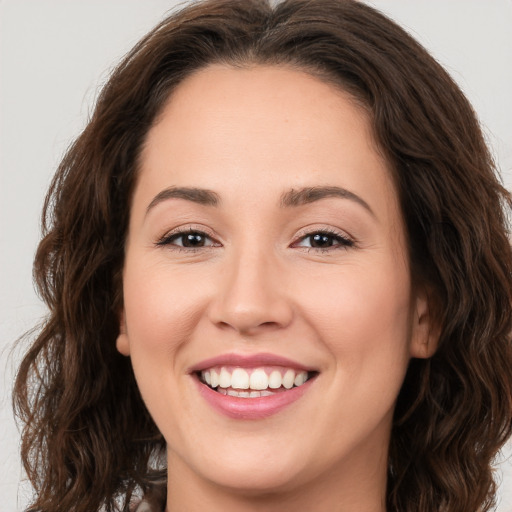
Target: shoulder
<point>147,506</point>
<point>153,501</point>
<point>143,506</point>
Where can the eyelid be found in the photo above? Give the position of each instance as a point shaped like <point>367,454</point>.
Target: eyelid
<point>163,241</point>
<point>348,240</point>
<point>322,228</point>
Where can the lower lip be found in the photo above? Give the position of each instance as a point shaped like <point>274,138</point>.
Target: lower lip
<point>251,408</point>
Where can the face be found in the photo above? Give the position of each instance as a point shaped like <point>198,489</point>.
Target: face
<point>268,307</point>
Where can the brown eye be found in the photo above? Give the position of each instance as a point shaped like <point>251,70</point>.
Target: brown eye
<point>193,240</point>
<point>321,240</point>
<point>324,240</point>
<point>187,240</point>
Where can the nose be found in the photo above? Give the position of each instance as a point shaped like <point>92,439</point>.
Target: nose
<point>251,295</point>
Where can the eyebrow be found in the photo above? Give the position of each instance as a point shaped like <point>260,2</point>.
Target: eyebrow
<point>196,195</point>
<point>311,194</point>
<point>291,198</point>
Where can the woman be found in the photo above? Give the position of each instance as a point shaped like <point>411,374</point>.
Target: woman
<point>278,274</point>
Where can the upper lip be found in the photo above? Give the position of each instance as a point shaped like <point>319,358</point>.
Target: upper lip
<point>249,361</point>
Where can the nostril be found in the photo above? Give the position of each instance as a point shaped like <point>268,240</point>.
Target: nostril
<point>269,325</point>
<point>248,327</point>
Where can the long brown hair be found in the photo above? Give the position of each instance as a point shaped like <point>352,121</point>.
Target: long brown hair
<point>88,440</point>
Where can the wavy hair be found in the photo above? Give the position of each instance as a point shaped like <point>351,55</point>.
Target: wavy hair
<point>88,441</point>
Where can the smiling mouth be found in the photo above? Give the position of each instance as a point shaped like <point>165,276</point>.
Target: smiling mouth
<point>253,382</point>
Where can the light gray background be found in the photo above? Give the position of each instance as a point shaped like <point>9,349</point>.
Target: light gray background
<point>55,54</point>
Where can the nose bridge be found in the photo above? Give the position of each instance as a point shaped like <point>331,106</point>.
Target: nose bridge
<point>251,295</point>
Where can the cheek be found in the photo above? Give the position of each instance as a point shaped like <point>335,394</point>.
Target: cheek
<point>161,307</point>
<point>161,312</point>
<point>363,317</point>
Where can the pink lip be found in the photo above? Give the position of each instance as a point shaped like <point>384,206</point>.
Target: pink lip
<point>251,408</point>
<point>249,361</point>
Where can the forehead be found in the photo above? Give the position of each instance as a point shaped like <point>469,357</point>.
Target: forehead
<point>276,105</point>
<point>255,132</point>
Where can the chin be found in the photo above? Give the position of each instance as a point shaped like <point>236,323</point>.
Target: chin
<point>255,470</point>
<point>256,481</point>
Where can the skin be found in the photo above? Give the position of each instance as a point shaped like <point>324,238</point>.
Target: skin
<point>258,285</point>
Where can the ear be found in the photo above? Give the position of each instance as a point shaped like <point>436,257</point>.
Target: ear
<point>425,331</point>
<point>122,342</point>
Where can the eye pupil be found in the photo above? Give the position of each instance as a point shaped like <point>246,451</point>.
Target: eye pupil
<point>193,240</point>
<point>321,240</point>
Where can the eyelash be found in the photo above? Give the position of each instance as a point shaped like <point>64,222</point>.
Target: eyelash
<point>169,238</point>
<point>342,241</point>
<point>338,240</point>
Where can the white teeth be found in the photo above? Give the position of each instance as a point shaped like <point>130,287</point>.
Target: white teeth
<point>239,379</point>
<point>300,378</point>
<point>288,379</point>
<point>259,380</point>
<point>224,378</point>
<point>233,382</point>
<point>275,380</point>
<point>245,394</point>
<point>214,377</point>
